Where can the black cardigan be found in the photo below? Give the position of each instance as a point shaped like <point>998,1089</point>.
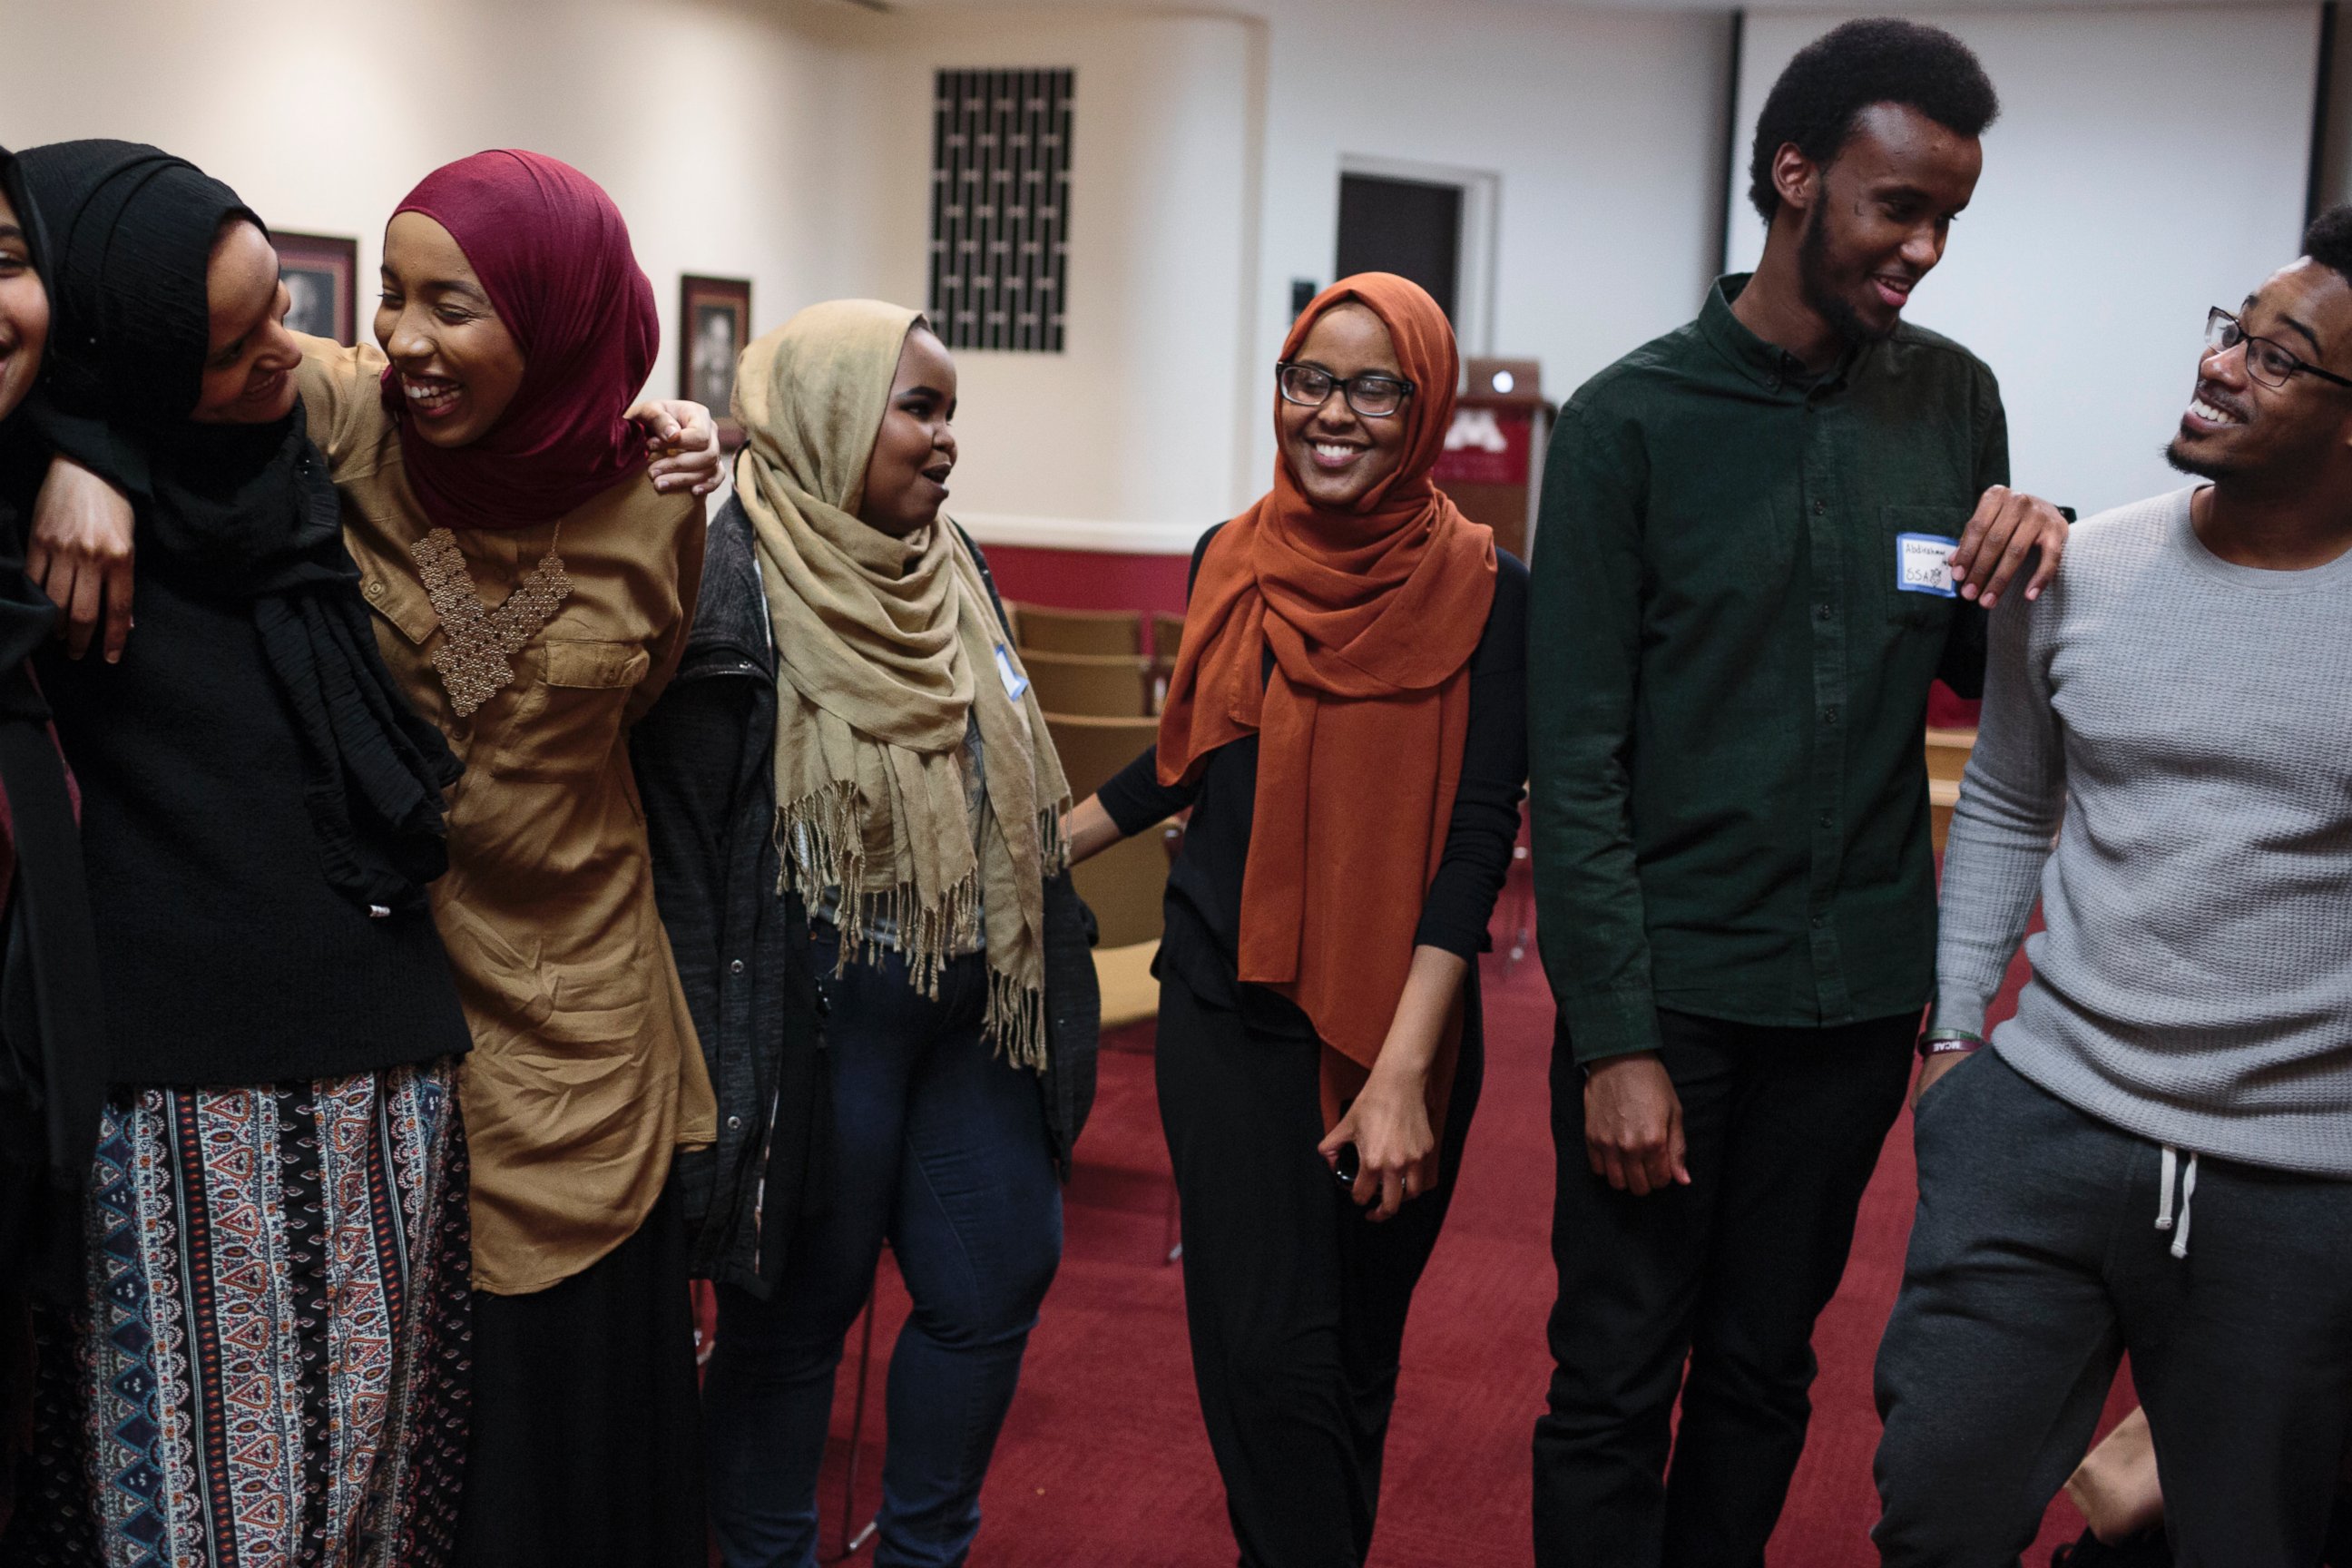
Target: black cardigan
<point>1202,943</point>
<point>227,956</point>
<point>703,758</point>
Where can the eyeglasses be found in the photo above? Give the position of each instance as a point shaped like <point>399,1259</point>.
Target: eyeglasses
<point>1373,396</point>
<point>2266,362</point>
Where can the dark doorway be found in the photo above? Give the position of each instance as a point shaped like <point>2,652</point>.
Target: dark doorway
<point>1411,228</point>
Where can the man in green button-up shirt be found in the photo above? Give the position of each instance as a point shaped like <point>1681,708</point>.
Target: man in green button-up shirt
<point>1744,585</point>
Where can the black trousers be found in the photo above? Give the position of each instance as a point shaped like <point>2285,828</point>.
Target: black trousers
<point>1784,1129</point>
<point>1295,1301</point>
<point>2036,1262</point>
<point>586,1449</point>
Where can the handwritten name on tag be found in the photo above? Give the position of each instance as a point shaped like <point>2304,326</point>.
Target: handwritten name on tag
<point>1923,564</point>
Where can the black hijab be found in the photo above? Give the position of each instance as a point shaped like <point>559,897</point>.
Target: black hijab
<point>243,512</point>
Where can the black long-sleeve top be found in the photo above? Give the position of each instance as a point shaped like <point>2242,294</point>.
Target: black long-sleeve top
<point>1201,944</point>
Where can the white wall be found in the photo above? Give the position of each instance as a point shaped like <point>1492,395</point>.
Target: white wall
<point>1605,128</point>
<point>1134,421</point>
<point>693,113</point>
<point>788,141</point>
<point>2134,178</point>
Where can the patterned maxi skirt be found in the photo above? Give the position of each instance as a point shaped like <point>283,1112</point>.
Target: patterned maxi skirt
<point>272,1368</point>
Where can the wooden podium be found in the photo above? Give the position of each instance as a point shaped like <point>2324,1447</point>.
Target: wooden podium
<point>1493,461</point>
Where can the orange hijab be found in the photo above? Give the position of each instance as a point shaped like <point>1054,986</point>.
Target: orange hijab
<point>1372,616</point>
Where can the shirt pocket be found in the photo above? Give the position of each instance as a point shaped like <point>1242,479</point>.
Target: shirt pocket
<point>567,723</point>
<point>1912,541</point>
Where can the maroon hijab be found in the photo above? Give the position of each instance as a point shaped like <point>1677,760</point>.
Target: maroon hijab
<point>553,252</point>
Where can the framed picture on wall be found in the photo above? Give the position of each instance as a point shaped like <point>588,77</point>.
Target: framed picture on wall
<point>715,315</point>
<point>321,275</point>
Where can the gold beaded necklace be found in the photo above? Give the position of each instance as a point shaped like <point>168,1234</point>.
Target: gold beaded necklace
<point>475,659</point>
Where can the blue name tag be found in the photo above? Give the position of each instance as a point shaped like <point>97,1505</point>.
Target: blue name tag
<point>1016,684</point>
<point>1923,564</point>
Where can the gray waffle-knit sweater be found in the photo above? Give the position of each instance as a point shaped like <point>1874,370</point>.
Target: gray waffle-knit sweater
<point>2190,720</point>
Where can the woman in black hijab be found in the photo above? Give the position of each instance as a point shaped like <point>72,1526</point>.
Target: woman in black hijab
<point>50,1071</point>
<point>268,1360</point>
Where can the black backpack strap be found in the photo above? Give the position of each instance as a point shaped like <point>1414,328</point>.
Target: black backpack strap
<point>1192,573</point>
<point>987,577</point>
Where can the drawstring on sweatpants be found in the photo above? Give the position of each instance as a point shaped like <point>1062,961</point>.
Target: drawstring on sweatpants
<point>2187,1190</point>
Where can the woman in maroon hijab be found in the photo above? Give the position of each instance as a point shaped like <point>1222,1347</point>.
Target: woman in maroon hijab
<point>533,582</point>
<point>533,595</point>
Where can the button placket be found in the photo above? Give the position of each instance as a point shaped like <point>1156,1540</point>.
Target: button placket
<point>1828,564</point>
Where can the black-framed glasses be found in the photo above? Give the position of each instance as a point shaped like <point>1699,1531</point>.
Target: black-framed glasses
<point>1373,396</point>
<point>2266,362</point>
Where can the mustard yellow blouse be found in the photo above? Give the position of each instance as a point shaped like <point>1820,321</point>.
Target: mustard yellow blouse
<point>585,1074</point>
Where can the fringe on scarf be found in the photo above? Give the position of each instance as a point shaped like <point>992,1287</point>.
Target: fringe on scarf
<point>821,844</point>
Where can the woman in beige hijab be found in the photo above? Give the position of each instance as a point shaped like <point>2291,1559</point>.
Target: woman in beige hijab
<point>917,808</point>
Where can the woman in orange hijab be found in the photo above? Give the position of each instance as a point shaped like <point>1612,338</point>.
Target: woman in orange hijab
<point>1346,722</point>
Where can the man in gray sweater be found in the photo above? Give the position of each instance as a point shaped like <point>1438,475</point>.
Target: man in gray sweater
<point>2177,712</point>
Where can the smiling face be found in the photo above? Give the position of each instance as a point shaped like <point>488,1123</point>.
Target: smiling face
<point>2237,428</point>
<point>1336,456</point>
<point>24,312</point>
<point>914,450</point>
<point>1876,217</point>
<point>250,360</point>
<point>458,365</point>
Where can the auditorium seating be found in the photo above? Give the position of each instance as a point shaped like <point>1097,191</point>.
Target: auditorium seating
<point>1043,629</point>
<point>1096,685</point>
<point>1948,757</point>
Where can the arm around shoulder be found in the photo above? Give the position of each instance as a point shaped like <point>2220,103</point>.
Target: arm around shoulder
<point>2013,798</point>
<point>341,390</point>
<point>689,535</point>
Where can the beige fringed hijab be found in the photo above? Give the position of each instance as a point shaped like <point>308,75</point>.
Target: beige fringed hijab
<point>885,648</point>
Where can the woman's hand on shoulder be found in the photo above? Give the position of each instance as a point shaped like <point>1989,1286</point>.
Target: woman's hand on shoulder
<point>683,440</point>
<point>81,555</point>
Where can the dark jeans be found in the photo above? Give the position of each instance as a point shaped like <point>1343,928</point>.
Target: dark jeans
<point>2035,1263</point>
<point>940,1149</point>
<point>1295,1301</point>
<point>1784,1128</point>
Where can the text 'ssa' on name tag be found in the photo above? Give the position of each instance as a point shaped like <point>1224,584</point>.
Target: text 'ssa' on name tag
<point>1923,564</point>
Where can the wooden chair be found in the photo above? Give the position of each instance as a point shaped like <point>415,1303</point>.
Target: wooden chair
<point>1948,759</point>
<point>1124,886</point>
<point>1167,631</point>
<point>1131,991</point>
<point>1080,631</point>
<point>1100,685</point>
<point>1092,749</point>
<point>1164,671</point>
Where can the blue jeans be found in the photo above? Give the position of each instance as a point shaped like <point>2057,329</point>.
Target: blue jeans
<point>940,1148</point>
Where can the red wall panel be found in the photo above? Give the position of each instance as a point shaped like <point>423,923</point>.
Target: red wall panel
<point>1089,580</point>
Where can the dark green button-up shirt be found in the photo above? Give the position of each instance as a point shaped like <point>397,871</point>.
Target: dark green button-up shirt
<point>1728,683</point>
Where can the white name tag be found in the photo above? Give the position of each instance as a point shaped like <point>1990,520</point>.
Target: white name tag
<point>1923,563</point>
<point>1016,684</point>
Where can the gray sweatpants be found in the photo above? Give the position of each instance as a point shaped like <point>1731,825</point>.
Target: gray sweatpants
<point>2036,1262</point>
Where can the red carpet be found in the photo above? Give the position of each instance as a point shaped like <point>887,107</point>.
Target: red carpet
<point>1103,1463</point>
